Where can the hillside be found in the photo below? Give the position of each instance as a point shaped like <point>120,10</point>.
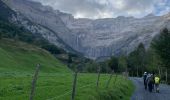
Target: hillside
<point>20,57</point>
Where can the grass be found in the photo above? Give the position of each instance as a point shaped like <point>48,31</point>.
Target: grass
<point>17,64</point>
<point>21,57</point>
<point>58,87</point>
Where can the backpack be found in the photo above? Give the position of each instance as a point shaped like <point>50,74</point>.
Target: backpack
<point>157,79</point>
<point>145,76</point>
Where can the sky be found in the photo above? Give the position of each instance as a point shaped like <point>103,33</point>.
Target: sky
<point>95,9</point>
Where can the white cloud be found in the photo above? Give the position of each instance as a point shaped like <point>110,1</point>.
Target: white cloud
<point>108,8</point>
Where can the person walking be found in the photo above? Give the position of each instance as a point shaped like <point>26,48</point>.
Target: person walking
<point>150,82</point>
<point>157,82</point>
<point>153,79</point>
<point>144,80</point>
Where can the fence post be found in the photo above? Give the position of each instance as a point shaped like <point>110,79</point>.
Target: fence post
<point>107,85</point>
<point>115,78</point>
<point>35,77</point>
<point>74,85</point>
<point>98,77</point>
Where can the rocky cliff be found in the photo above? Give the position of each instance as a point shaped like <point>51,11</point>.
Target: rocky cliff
<point>93,38</point>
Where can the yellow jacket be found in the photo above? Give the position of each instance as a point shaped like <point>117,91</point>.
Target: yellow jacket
<point>157,80</point>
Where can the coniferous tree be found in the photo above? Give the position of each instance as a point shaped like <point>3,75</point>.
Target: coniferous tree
<point>113,64</point>
<point>141,54</point>
<point>136,59</point>
<point>161,46</point>
<point>122,64</point>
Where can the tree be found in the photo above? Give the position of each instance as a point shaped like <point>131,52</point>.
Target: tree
<point>16,37</point>
<point>52,48</point>
<point>161,46</point>
<point>141,56</point>
<point>136,59</point>
<point>0,35</point>
<point>104,68</point>
<point>113,63</point>
<point>122,64</point>
<point>91,67</point>
<point>69,60</point>
<point>152,60</point>
<point>132,61</point>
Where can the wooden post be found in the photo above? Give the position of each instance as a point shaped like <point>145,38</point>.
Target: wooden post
<point>115,79</point>
<point>107,85</point>
<point>98,77</point>
<point>35,77</point>
<point>74,86</point>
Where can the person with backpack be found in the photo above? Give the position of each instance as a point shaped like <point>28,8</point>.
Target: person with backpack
<point>153,76</point>
<point>145,80</point>
<point>157,82</point>
<point>150,82</point>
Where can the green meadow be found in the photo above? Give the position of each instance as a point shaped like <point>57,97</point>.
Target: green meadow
<point>17,65</point>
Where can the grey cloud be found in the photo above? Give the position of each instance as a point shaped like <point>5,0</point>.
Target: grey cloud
<point>104,8</point>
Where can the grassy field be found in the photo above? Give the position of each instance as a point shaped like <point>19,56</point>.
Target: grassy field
<point>58,87</point>
<point>21,57</point>
<point>17,64</point>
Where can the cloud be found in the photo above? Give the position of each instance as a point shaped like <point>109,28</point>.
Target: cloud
<point>109,8</point>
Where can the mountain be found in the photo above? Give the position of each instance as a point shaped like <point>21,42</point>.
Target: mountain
<point>34,27</point>
<point>114,36</point>
<point>6,12</point>
<point>94,38</point>
<point>13,29</point>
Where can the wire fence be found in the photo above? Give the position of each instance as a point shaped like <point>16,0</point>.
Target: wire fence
<point>69,92</point>
<point>72,92</point>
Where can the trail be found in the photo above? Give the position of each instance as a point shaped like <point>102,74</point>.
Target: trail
<point>142,94</point>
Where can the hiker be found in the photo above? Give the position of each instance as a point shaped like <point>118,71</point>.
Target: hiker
<point>153,78</point>
<point>147,78</point>
<point>150,82</point>
<point>144,80</point>
<point>157,82</point>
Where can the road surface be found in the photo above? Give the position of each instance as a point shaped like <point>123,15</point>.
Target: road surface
<point>142,94</point>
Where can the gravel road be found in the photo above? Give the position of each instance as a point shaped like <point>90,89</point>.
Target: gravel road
<point>142,94</point>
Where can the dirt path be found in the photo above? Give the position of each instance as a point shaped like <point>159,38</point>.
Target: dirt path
<point>142,94</point>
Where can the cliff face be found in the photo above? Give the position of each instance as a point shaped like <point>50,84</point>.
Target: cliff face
<point>40,20</point>
<point>93,38</point>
